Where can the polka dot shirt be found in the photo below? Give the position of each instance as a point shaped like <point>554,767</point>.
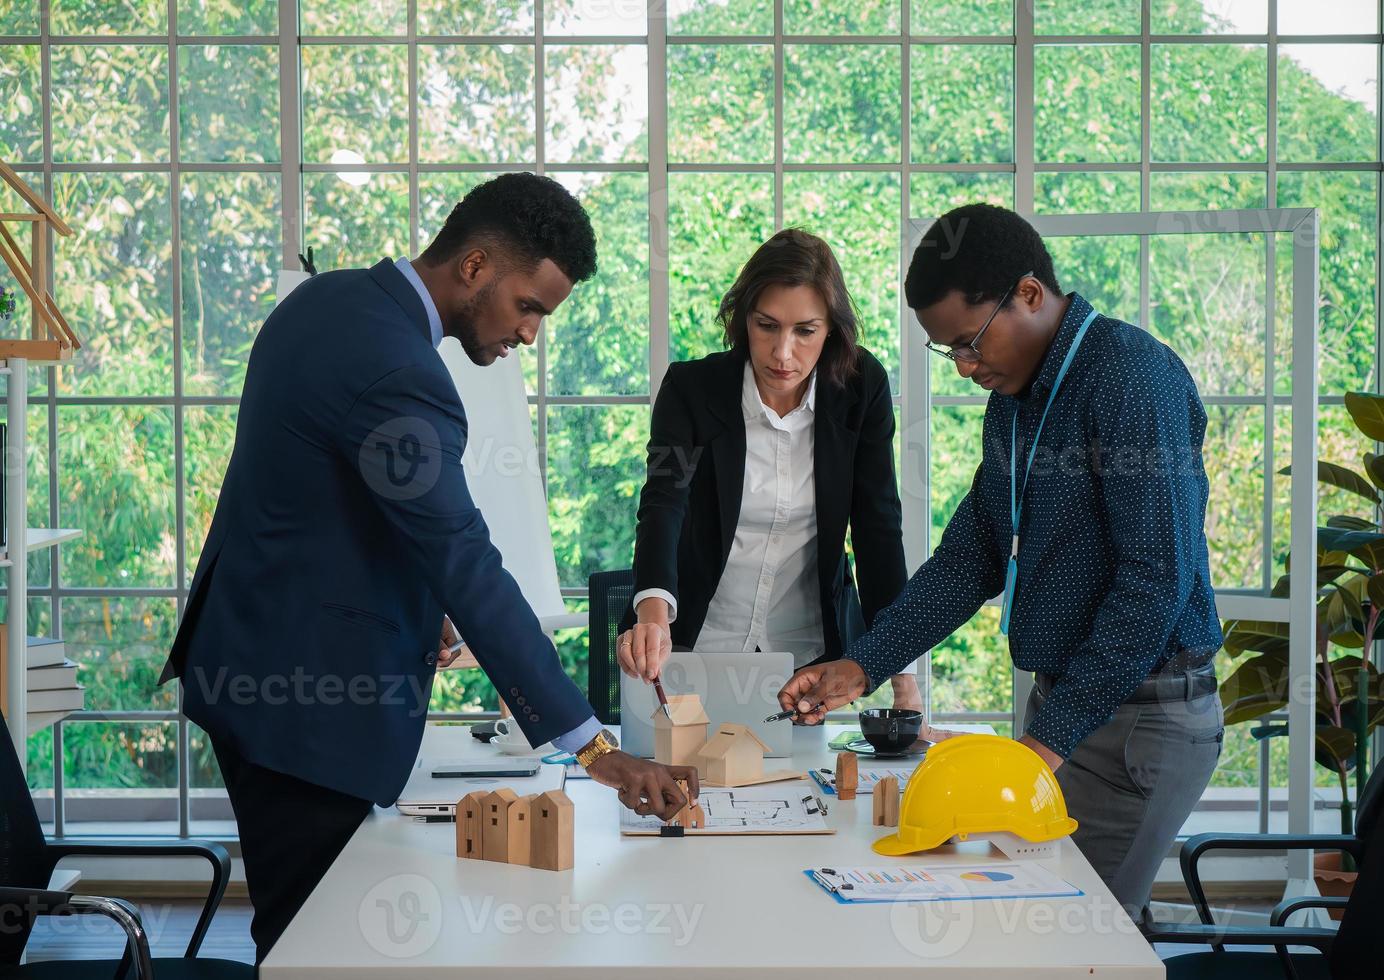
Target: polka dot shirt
<point>1113,574</point>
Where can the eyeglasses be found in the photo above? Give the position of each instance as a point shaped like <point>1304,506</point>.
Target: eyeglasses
<point>970,353</point>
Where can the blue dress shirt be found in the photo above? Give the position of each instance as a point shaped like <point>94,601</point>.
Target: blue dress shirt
<point>1113,576</point>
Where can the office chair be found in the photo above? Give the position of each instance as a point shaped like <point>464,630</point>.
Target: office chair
<point>1356,950</point>
<point>610,594</point>
<point>27,861</point>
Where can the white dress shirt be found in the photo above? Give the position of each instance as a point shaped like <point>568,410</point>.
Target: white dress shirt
<point>768,596</point>
<point>586,731</point>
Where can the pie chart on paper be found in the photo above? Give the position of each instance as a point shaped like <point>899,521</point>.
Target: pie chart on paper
<point>986,876</point>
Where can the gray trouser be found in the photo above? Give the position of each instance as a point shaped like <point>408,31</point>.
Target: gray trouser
<point>1132,782</point>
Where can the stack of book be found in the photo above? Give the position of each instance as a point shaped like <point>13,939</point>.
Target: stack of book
<point>50,681</point>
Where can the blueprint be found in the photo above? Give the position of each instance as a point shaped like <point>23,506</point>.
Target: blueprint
<point>774,808</point>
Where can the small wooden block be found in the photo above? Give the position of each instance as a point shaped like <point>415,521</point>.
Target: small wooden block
<point>551,830</point>
<point>470,842</point>
<point>689,817</point>
<point>520,825</point>
<point>886,802</point>
<point>495,824</point>
<point>847,775</point>
<point>680,731</point>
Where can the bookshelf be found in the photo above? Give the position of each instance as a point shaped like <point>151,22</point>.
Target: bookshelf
<point>50,340</point>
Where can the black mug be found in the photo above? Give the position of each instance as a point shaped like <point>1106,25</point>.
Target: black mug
<point>891,729</point>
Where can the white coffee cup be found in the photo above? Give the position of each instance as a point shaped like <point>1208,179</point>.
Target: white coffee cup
<point>510,739</point>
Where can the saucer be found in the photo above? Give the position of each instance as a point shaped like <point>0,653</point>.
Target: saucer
<point>863,748</point>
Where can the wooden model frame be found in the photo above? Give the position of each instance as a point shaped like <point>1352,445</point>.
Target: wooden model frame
<point>50,337</point>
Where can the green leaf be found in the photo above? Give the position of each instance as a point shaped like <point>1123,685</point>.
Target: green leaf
<point>1345,672</point>
<point>1368,412</point>
<point>1243,635</point>
<point>1374,469</point>
<point>1375,589</point>
<point>1337,539</point>
<point>1371,553</point>
<point>1338,476</point>
<point>1344,612</point>
<point>1335,747</point>
<point>1257,687</point>
<point>1349,522</point>
<point>1326,574</point>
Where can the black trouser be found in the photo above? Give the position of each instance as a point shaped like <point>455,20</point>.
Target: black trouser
<point>290,833</point>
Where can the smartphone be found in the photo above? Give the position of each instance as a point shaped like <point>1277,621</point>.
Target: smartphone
<point>487,767</point>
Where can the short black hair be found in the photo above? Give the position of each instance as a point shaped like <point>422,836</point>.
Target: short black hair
<point>531,218</point>
<point>980,250</point>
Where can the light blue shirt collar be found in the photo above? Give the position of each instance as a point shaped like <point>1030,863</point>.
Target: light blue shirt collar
<point>434,318</point>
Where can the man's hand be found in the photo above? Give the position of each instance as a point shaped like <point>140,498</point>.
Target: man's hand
<point>930,734</point>
<point>445,656</point>
<point>642,651</point>
<point>645,787</point>
<point>1046,754</point>
<point>830,684</point>
<point>906,693</point>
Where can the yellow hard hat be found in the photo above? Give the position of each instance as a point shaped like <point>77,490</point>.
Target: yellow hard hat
<point>978,784</point>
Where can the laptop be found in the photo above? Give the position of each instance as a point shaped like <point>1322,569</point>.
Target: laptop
<point>737,688</point>
<point>426,796</point>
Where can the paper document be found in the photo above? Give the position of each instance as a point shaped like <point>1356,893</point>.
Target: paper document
<point>773,808</point>
<point>941,883</point>
<point>867,779</point>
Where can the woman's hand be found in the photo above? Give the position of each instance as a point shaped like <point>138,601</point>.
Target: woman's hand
<point>642,651</point>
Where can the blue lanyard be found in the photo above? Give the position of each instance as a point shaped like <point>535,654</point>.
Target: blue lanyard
<point>1016,492</point>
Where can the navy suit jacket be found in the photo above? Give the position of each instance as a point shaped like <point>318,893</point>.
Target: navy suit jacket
<point>343,531</point>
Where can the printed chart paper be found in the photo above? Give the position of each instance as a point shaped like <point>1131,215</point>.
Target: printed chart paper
<point>941,883</point>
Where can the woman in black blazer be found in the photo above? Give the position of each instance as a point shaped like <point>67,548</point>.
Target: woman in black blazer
<point>759,458</point>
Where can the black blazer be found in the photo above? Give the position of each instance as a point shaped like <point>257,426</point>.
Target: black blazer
<point>690,504</point>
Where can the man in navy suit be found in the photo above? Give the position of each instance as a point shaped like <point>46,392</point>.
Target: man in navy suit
<point>344,532</point>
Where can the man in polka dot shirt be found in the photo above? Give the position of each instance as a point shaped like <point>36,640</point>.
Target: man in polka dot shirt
<point>1104,565</point>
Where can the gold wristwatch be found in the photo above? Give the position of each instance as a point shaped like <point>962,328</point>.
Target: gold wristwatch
<point>603,744</point>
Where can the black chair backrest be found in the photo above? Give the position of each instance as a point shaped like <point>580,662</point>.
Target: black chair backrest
<point>24,858</point>
<point>1369,809</point>
<point>1359,947</point>
<point>610,594</point>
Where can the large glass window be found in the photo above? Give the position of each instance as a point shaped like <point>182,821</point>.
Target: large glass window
<point>190,173</point>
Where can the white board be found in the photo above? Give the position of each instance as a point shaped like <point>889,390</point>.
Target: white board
<point>289,280</point>
<point>502,471</point>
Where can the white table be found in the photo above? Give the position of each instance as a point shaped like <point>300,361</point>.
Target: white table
<point>397,903</point>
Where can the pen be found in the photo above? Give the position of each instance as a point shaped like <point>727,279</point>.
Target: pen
<point>789,714</point>
<point>662,698</point>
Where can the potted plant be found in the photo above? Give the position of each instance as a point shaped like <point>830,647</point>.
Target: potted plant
<point>1350,601</point>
